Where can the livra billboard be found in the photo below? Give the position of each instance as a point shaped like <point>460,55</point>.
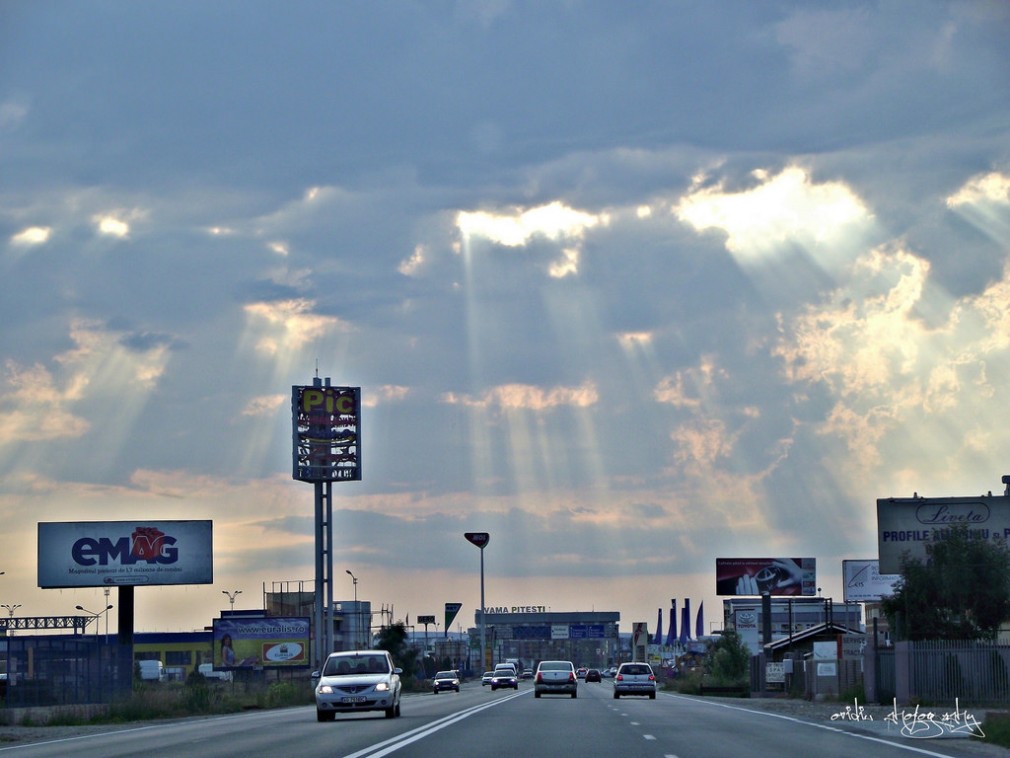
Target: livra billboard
<point>905,526</point>
<point>106,553</point>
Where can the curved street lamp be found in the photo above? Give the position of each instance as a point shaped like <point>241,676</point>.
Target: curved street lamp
<point>97,615</point>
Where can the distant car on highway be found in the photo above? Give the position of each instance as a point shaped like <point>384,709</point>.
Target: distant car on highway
<point>635,679</point>
<point>358,680</point>
<point>504,677</point>
<point>527,674</point>
<point>555,678</point>
<point>445,680</point>
<point>580,672</point>
<point>593,675</point>
<point>486,679</point>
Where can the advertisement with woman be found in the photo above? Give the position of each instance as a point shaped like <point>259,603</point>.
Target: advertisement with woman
<point>267,642</point>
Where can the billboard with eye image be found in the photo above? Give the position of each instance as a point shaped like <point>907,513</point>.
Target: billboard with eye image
<point>766,576</point>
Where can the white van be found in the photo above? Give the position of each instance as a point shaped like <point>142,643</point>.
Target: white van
<point>151,671</point>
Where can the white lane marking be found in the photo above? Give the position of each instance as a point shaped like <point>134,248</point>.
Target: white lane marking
<point>402,740</point>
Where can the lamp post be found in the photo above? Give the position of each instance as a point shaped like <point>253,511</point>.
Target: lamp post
<point>231,596</point>
<point>480,540</point>
<point>10,611</point>
<point>357,610</point>
<point>97,615</point>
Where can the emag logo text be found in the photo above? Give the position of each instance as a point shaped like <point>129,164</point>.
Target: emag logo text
<point>147,544</point>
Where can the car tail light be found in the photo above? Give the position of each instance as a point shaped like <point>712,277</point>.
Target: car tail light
<point>571,677</point>
<point>652,677</point>
<point>620,677</point>
<point>540,678</point>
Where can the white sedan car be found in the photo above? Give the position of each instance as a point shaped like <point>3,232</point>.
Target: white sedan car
<point>555,678</point>
<point>359,680</point>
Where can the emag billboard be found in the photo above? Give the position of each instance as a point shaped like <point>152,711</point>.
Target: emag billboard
<point>125,553</point>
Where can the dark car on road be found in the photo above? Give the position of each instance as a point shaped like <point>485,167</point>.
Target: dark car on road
<point>504,678</point>
<point>593,675</point>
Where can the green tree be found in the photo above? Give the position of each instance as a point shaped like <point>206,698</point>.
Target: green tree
<point>961,591</point>
<point>393,638</point>
<point>729,659</point>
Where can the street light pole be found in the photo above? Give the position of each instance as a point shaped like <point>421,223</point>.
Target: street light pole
<point>10,610</point>
<point>97,615</point>
<point>357,610</point>
<point>231,596</point>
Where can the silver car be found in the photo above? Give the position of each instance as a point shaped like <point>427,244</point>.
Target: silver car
<point>359,680</point>
<point>555,678</point>
<point>635,679</point>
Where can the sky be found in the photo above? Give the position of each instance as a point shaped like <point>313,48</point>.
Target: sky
<point>629,287</point>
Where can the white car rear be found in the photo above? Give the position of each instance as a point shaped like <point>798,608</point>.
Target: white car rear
<point>555,678</point>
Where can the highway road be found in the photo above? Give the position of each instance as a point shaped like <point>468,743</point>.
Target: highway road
<point>478,722</point>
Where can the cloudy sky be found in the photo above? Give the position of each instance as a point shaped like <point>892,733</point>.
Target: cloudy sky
<point>629,287</point>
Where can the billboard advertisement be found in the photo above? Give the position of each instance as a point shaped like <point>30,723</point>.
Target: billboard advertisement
<point>908,525</point>
<point>326,433</point>
<point>125,553</point>
<point>760,576</point>
<point>862,582</point>
<point>265,642</point>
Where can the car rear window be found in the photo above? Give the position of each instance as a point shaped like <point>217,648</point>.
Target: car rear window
<point>635,670</point>
<point>555,666</point>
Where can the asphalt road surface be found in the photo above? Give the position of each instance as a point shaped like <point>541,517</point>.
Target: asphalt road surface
<point>478,722</point>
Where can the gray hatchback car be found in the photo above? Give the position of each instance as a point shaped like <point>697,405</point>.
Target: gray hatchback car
<point>635,679</point>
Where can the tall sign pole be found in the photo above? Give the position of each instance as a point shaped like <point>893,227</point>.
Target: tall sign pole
<point>326,448</point>
<point>480,539</point>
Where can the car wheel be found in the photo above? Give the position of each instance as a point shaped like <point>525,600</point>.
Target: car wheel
<point>516,687</point>
<point>575,695</point>
<point>617,696</point>
<point>397,709</point>
<point>536,694</point>
<point>391,712</point>
<point>325,715</point>
<point>652,696</point>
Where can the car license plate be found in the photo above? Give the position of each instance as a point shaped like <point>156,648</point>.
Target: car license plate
<point>355,699</point>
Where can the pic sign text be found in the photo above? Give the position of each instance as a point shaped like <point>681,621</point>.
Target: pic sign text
<point>326,435</point>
